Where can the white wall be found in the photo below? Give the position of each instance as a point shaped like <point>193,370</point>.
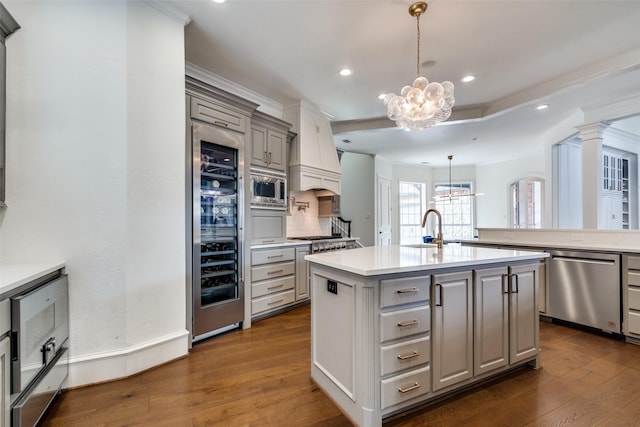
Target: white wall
<point>95,174</point>
<point>357,201</point>
<point>492,208</point>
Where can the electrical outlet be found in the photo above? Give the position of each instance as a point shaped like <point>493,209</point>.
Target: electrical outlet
<point>332,286</point>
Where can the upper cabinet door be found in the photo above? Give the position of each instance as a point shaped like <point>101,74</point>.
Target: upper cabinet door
<point>276,150</point>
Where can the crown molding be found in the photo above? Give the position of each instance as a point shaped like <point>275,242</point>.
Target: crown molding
<point>171,11</point>
<point>266,105</point>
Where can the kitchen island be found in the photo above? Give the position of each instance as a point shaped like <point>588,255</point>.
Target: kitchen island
<point>394,327</point>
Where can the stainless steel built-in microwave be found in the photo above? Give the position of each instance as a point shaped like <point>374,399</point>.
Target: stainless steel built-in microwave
<point>268,189</point>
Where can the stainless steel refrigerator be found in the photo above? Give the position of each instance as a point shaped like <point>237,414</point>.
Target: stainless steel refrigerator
<point>217,275</point>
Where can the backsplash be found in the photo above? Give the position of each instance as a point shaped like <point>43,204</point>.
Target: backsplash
<point>305,221</point>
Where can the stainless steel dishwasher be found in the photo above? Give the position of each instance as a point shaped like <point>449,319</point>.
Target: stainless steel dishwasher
<point>584,288</point>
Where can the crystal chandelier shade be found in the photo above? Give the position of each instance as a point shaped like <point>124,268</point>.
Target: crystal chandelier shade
<point>423,104</point>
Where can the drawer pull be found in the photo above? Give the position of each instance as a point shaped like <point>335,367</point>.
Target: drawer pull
<point>275,302</point>
<point>275,287</point>
<point>409,323</point>
<point>415,386</point>
<point>408,356</point>
<point>268,241</point>
<point>275,271</point>
<point>275,256</point>
<point>219,123</point>
<point>407,291</point>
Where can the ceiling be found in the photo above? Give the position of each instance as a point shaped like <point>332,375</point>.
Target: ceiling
<point>568,54</point>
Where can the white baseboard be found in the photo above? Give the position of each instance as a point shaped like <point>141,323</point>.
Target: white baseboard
<point>121,363</point>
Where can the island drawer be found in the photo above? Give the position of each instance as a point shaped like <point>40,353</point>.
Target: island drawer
<point>404,387</point>
<point>270,286</point>
<point>272,255</point>
<point>5,319</point>
<point>270,302</point>
<point>271,271</point>
<point>404,290</point>
<point>409,354</point>
<point>403,323</point>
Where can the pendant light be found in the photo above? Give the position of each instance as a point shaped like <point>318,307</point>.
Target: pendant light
<point>453,195</point>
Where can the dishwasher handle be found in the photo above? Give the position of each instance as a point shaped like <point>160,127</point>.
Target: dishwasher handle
<point>585,260</point>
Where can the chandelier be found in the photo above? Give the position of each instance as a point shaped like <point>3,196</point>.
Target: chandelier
<point>423,104</point>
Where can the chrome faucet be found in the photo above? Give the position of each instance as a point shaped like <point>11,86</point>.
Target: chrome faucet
<point>438,238</point>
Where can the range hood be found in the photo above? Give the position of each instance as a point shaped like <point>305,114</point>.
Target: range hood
<point>313,159</point>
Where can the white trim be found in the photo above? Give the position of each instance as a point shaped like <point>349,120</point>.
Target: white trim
<point>171,11</point>
<point>266,105</point>
<point>112,365</point>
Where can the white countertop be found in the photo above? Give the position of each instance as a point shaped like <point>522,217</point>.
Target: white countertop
<point>377,260</point>
<point>288,243</point>
<point>619,241</point>
<point>14,275</point>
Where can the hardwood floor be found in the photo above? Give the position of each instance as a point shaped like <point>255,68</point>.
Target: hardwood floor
<point>260,377</point>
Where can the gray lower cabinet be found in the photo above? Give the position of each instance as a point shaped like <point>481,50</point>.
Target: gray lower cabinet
<point>5,355</point>
<point>505,311</point>
<point>631,296</point>
<point>405,346</point>
<point>452,330</point>
<point>302,273</point>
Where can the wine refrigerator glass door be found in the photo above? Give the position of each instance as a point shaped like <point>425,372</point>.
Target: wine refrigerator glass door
<point>217,250</point>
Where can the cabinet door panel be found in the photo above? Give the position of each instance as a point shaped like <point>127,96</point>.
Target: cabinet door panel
<point>523,312</point>
<point>452,330</point>
<point>258,146</point>
<point>491,320</point>
<point>276,149</point>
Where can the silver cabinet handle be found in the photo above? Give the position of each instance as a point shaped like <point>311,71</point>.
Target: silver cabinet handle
<point>219,123</point>
<point>408,356</point>
<point>410,388</point>
<point>275,271</point>
<point>406,291</point>
<point>440,295</point>
<point>275,302</point>
<point>409,323</point>
<point>275,256</point>
<point>275,287</point>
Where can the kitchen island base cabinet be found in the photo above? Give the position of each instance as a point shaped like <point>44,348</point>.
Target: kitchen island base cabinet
<point>384,344</point>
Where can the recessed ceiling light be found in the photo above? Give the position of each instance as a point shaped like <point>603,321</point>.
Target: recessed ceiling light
<point>382,95</point>
<point>542,106</point>
<point>467,79</point>
<point>346,72</point>
<point>219,1</point>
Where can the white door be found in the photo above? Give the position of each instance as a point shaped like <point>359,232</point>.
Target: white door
<point>383,218</point>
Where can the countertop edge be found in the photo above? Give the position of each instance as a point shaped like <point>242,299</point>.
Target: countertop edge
<point>13,276</point>
<point>521,256</point>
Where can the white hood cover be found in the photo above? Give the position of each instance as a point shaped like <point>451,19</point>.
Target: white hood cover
<point>313,159</point>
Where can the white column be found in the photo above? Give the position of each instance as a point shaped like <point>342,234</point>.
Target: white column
<point>592,175</point>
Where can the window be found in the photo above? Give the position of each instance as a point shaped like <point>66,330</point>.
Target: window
<point>412,202</point>
<point>455,203</point>
<point>526,203</point>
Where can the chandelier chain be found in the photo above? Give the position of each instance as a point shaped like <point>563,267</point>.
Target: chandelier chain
<point>418,40</point>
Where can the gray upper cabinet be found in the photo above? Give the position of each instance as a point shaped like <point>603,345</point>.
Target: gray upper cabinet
<point>8,26</point>
<point>269,142</point>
